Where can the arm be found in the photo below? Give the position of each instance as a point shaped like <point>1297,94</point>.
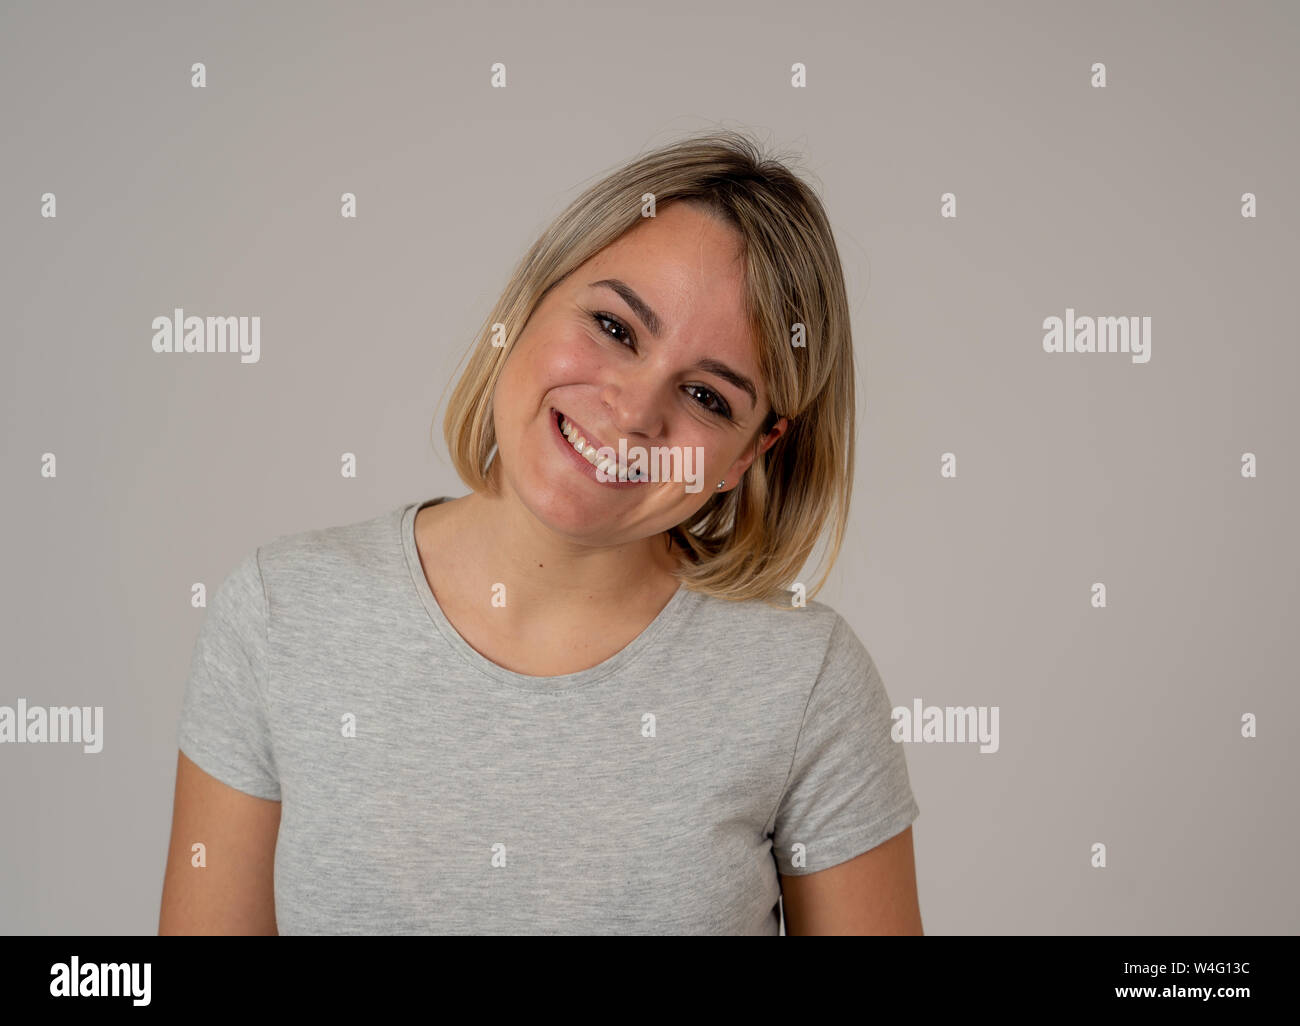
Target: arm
<point>874,893</point>
<point>234,893</point>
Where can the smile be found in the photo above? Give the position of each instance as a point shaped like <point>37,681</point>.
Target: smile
<point>632,467</point>
<point>590,450</point>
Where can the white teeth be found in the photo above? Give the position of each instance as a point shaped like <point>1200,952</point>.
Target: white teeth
<point>588,452</point>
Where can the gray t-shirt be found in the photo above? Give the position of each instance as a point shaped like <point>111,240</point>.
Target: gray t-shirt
<point>425,789</point>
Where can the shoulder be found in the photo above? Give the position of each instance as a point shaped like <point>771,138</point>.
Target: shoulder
<point>331,559</point>
<point>809,619</point>
<point>798,639</point>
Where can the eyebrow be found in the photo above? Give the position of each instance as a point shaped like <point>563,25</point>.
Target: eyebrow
<point>652,322</point>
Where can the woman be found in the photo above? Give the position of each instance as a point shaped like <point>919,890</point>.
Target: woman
<point>590,696</point>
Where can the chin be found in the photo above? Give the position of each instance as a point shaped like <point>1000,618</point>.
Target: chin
<point>563,513</point>
<point>567,508</point>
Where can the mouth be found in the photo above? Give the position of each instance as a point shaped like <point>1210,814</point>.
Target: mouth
<point>585,453</point>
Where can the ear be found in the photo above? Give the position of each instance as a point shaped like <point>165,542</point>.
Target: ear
<point>769,439</point>
<point>747,457</point>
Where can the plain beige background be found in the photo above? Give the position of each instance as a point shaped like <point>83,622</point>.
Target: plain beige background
<point>1119,726</point>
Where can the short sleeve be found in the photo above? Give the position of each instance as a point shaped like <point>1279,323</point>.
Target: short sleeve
<point>848,789</point>
<point>223,724</point>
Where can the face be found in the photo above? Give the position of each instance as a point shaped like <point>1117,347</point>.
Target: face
<point>662,362</point>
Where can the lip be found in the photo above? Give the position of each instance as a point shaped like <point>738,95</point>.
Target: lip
<point>577,461</point>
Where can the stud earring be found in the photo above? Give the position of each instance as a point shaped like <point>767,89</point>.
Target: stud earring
<point>721,483</point>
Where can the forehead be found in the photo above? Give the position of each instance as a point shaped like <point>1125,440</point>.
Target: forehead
<point>688,266</point>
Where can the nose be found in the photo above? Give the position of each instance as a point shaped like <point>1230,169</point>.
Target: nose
<point>636,403</point>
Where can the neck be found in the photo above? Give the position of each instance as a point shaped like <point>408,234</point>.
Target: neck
<point>499,540</point>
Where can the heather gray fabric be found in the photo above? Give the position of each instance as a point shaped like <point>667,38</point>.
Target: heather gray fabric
<point>657,792</point>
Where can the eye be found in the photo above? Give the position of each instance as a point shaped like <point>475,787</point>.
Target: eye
<point>603,318</point>
<point>714,403</point>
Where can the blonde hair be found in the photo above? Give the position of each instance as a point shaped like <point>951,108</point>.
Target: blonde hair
<point>751,541</point>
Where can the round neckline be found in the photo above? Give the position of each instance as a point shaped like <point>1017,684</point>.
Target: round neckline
<point>676,608</point>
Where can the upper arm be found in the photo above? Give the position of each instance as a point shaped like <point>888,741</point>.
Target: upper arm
<point>874,893</point>
<point>234,892</point>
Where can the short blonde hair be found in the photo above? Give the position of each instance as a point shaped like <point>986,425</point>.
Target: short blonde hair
<point>751,541</point>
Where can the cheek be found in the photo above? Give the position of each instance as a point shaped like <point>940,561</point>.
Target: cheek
<point>556,356</point>
<point>542,362</point>
<point>566,357</point>
<point>720,452</point>
<point>717,460</point>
